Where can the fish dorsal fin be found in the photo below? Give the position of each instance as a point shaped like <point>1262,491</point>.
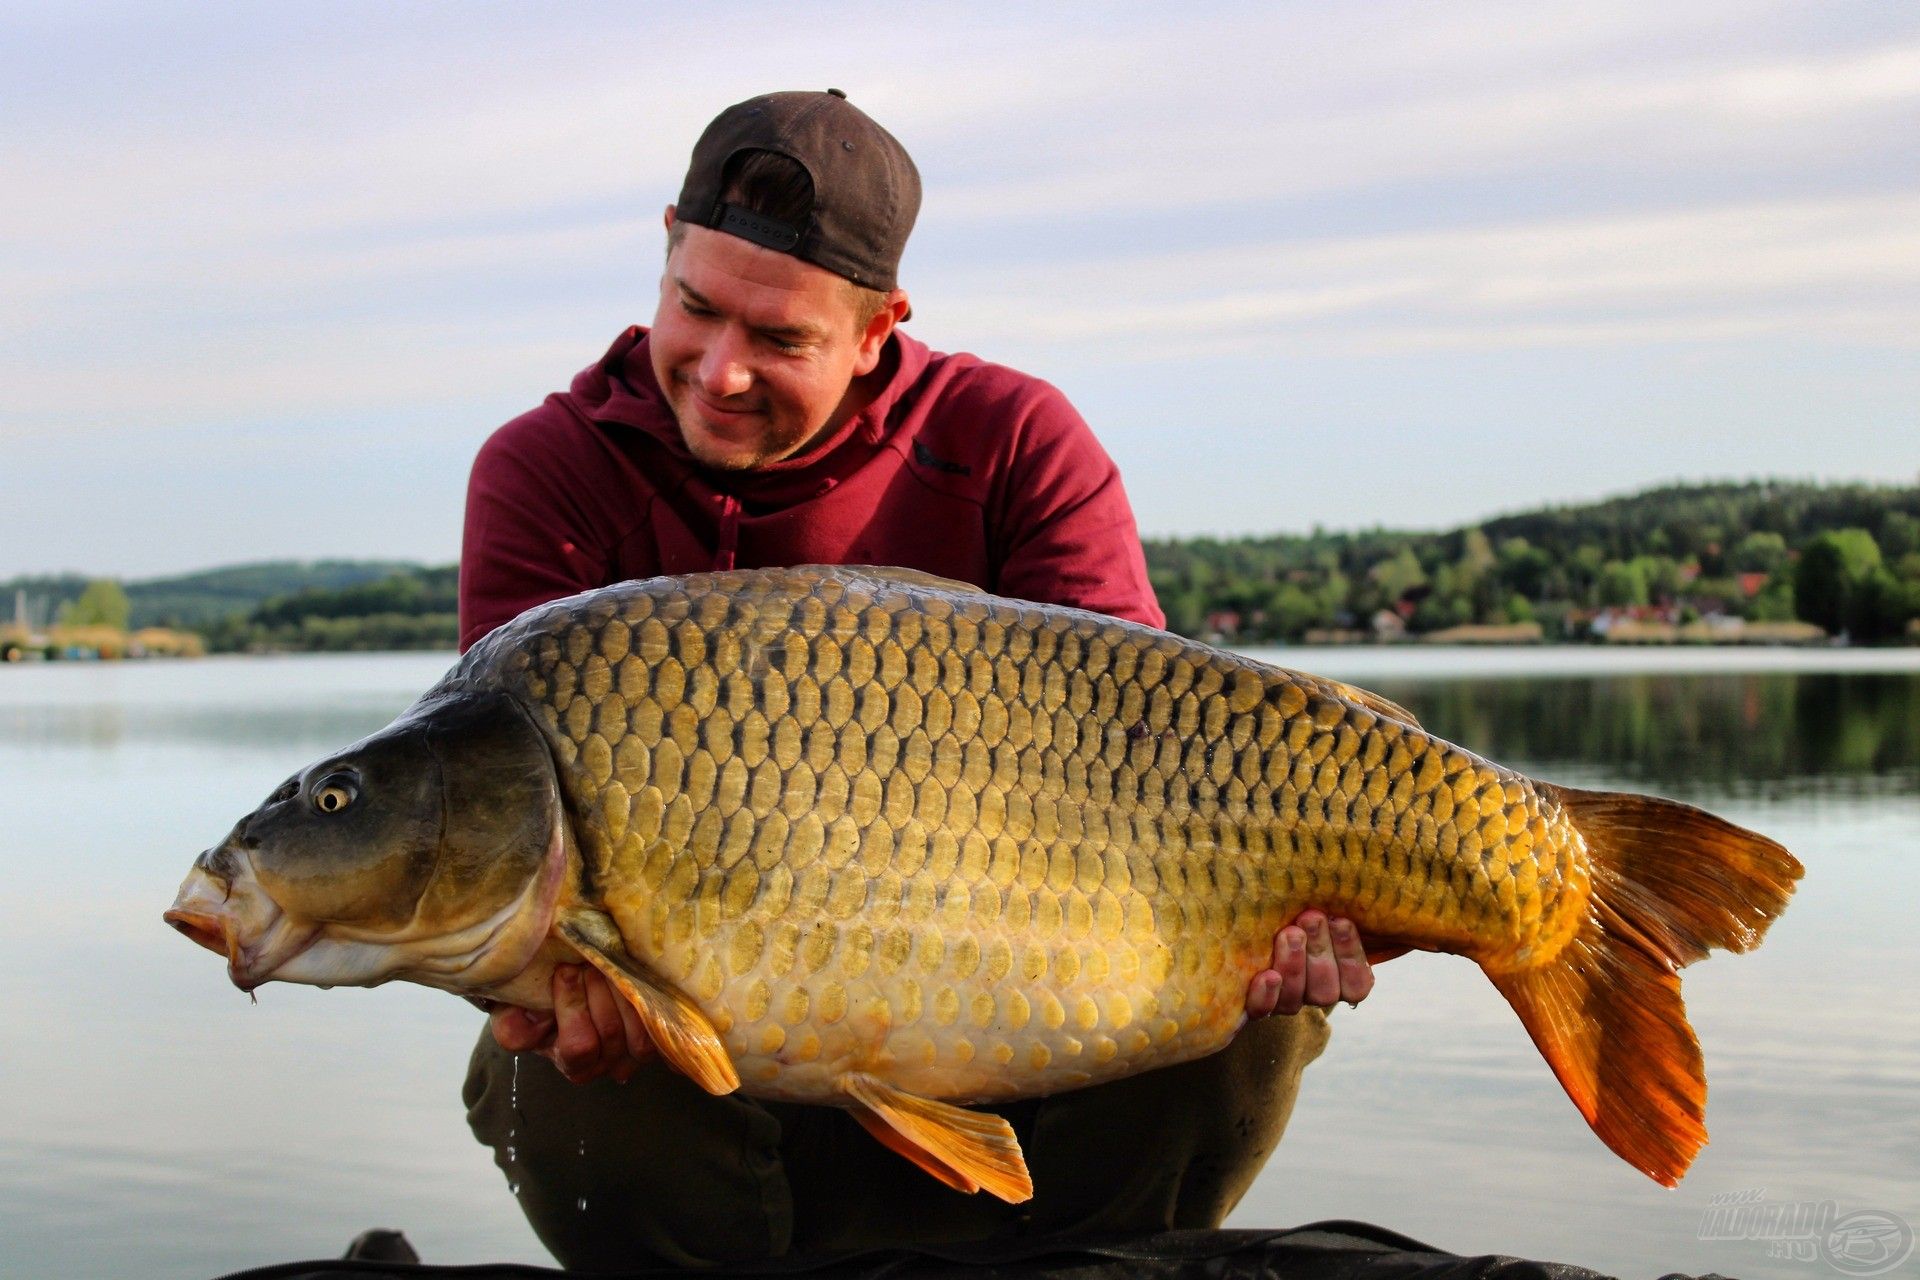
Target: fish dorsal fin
<point>899,577</point>
<point>1375,703</point>
<point>679,1029</point>
<point>968,1150</point>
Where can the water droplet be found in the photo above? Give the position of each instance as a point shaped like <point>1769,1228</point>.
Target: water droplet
<point>583,1146</point>
<point>581,1204</point>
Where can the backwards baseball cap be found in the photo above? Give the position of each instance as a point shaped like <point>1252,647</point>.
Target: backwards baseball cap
<point>866,192</point>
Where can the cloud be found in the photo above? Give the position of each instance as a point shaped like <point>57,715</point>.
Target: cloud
<point>1286,145</point>
<point>1838,269</point>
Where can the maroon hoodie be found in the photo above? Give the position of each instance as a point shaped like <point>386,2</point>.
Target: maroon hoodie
<point>957,467</point>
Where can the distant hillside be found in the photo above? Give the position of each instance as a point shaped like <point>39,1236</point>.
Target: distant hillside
<point>196,600</point>
<point>1845,557</point>
<point>417,608</point>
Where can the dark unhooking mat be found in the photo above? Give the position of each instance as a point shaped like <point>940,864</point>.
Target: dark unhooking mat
<point>1320,1251</point>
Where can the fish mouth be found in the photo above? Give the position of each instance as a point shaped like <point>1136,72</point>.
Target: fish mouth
<point>215,933</point>
<point>234,919</point>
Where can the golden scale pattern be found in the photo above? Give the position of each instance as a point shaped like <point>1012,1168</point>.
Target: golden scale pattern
<point>986,848</point>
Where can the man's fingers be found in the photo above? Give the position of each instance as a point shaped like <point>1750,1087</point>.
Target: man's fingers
<point>1316,961</point>
<point>1262,993</point>
<point>520,1030</point>
<point>603,1005</point>
<point>1289,972</point>
<point>1323,972</point>
<point>1356,975</point>
<point>576,1041</point>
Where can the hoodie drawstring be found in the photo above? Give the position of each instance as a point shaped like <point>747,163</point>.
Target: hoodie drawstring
<point>723,555</point>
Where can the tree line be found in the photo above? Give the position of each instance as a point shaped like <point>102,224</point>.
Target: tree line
<point>1843,557</point>
<point>414,609</point>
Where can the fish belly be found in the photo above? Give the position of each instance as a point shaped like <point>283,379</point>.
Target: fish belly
<point>874,822</point>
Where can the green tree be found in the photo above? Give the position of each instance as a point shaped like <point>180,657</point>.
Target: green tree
<point>1831,582</point>
<point>1398,575</point>
<point>1774,603</point>
<point>1622,582</point>
<point>102,604</point>
<point>1762,552</point>
<point>1899,535</point>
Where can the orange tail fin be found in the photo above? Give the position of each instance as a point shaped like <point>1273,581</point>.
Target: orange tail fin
<point>1669,882</point>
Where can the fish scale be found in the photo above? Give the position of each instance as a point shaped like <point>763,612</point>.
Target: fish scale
<point>982,848</point>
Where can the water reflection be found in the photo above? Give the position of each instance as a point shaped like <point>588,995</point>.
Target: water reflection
<point>1729,734</point>
<point>290,729</point>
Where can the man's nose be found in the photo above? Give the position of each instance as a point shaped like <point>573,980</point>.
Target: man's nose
<point>723,370</point>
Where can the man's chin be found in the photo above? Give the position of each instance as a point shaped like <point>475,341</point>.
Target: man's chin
<point>721,459</point>
<point>722,450</point>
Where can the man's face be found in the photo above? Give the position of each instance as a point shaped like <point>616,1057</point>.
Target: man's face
<point>755,350</point>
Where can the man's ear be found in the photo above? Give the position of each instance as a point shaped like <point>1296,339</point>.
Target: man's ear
<point>667,221</point>
<point>874,338</point>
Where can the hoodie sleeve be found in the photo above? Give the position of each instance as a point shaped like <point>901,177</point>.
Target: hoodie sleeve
<point>528,538</point>
<point>1065,531</point>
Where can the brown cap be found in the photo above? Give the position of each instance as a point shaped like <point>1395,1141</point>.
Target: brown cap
<point>866,192</point>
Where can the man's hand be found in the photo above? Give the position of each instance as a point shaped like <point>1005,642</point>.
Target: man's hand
<point>591,1032</point>
<point>1316,961</point>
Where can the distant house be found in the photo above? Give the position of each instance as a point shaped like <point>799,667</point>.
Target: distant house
<point>1614,617</point>
<point>1751,584</point>
<point>1389,625</point>
<point>1223,624</point>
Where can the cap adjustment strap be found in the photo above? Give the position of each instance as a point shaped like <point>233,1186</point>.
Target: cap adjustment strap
<point>769,233</point>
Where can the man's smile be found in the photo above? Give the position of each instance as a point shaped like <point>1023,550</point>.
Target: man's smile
<point>720,411</point>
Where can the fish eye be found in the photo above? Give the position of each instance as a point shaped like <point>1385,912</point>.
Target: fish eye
<point>335,792</point>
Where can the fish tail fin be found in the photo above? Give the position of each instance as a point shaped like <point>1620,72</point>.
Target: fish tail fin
<point>1669,882</point>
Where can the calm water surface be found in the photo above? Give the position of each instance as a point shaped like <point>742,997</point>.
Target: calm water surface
<point>157,1123</point>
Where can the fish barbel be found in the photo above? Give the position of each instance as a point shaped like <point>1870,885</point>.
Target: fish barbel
<point>869,838</point>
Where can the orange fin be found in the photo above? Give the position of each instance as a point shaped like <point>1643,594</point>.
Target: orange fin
<point>679,1029</point>
<point>898,1143</point>
<point>1669,882</point>
<point>967,1150</point>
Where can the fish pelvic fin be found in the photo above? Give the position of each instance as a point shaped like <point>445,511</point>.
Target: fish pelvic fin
<point>1670,882</point>
<point>968,1150</point>
<point>682,1033</point>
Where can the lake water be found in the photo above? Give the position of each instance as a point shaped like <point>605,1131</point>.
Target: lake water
<point>157,1123</point>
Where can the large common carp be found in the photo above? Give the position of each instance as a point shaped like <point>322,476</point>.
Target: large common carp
<point>878,840</point>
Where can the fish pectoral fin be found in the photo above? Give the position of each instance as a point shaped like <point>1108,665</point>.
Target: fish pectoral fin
<point>1381,952</point>
<point>682,1033</point>
<point>968,1150</point>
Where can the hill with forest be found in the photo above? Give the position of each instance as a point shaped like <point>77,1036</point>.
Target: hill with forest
<point>196,600</point>
<point>1843,557</point>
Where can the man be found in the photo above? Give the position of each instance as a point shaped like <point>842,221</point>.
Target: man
<point>774,414</point>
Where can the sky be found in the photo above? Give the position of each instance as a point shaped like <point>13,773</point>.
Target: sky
<point>272,273</point>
